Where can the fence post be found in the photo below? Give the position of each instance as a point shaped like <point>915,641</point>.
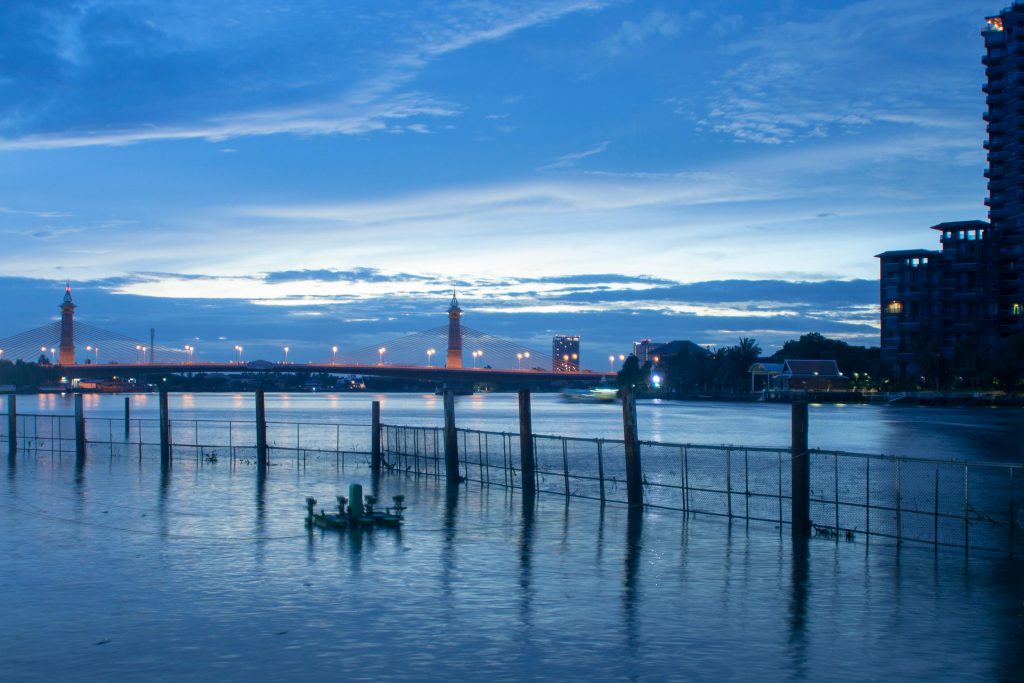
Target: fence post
<point>261,432</point>
<point>634,472</point>
<point>451,439</point>
<point>79,429</point>
<point>527,463</point>
<point>375,457</point>
<point>165,430</point>
<point>800,473</point>
<point>12,426</point>
<point>127,416</point>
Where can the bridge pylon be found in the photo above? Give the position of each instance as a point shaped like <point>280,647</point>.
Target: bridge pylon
<point>454,357</point>
<point>67,329</point>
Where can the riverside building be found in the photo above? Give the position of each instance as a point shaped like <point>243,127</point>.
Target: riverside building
<point>968,297</point>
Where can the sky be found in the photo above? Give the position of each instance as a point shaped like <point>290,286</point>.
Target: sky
<point>319,173</point>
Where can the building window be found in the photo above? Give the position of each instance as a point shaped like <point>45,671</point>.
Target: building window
<point>894,307</point>
<point>1016,310</point>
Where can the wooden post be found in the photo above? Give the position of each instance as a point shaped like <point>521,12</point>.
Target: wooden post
<point>165,431</point>
<point>527,462</point>
<point>375,457</point>
<point>12,426</point>
<point>127,416</point>
<point>79,429</point>
<point>800,474</point>
<point>634,472</point>
<point>261,432</point>
<point>451,439</point>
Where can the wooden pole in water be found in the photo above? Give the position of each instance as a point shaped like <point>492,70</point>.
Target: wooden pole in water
<point>127,416</point>
<point>634,472</point>
<point>527,464</point>
<point>800,473</point>
<point>165,430</point>
<point>12,426</point>
<point>375,456</point>
<point>261,432</point>
<point>451,439</point>
<point>79,429</point>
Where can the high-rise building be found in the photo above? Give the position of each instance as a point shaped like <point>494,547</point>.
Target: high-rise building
<point>1004,90</point>
<point>645,349</point>
<point>565,354</point>
<point>968,297</point>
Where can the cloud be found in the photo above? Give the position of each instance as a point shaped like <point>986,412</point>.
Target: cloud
<point>207,71</point>
<point>567,160</point>
<point>630,34</point>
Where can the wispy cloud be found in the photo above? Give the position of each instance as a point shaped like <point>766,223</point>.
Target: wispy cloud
<point>568,160</point>
<point>632,33</point>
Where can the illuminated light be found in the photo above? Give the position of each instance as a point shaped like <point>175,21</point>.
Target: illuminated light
<point>894,307</point>
<point>1016,310</point>
<point>656,381</point>
<point>995,23</point>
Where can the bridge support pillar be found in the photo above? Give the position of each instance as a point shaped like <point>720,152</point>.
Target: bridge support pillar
<point>527,463</point>
<point>127,417</point>
<point>800,473</point>
<point>165,431</point>
<point>12,426</point>
<point>375,456</point>
<point>634,471</point>
<point>451,439</point>
<point>79,430</point>
<point>261,433</point>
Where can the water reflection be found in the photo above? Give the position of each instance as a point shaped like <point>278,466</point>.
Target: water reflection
<point>448,536</point>
<point>798,586</point>
<point>630,576</point>
<point>526,591</point>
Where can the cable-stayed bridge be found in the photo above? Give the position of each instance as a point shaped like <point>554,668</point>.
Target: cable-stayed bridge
<point>449,352</point>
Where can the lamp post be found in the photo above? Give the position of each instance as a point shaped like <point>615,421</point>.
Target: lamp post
<point>286,355</point>
<point>334,355</point>
<point>526,356</point>
<point>138,353</point>
<point>611,363</point>
<point>380,355</point>
<point>519,360</point>
<point>238,353</point>
<point>430,353</point>
<point>188,353</point>
<point>53,355</point>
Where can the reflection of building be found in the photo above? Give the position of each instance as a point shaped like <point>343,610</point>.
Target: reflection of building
<point>565,354</point>
<point>969,296</point>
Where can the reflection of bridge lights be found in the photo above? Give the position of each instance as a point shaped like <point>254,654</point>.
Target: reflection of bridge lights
<point>334,355</point>
<point>380,355</point>
<point>430,353</point>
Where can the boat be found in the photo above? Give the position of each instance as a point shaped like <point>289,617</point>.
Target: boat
<point>593,395</point>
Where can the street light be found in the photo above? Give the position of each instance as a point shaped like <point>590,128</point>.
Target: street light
<point>334,355</point>
<point>53,355</point>
<point>188,353</point>
<point>286,355</point>
<point>476,354</point>
<point>611,363</point>
<point>519,359</point>
<point>380,355</point>
<point>238,353</point>
<point>95,349</point>
<point>430,352</point>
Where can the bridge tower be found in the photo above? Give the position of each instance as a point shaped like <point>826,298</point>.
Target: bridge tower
<point>67,329</point>
<point>454,357</point>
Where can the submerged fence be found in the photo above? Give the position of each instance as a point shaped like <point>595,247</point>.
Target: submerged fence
<point>968,505</point>
<point>958,504</point>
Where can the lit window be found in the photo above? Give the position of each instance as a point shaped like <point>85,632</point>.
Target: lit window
<point>1016,309</point>
<point>994,23</point>
<point>894,307</point>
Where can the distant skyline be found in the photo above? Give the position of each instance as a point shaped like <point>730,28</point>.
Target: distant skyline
<point>310,172</point>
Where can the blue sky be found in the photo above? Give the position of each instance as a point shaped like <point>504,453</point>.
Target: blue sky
<point>320,172</point>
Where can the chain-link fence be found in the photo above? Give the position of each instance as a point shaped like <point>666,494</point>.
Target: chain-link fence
<point>204,440</point>
<point>945,503</point>
<point>969,505</point>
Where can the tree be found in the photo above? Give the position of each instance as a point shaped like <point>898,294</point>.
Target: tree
<point>633,375</point>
